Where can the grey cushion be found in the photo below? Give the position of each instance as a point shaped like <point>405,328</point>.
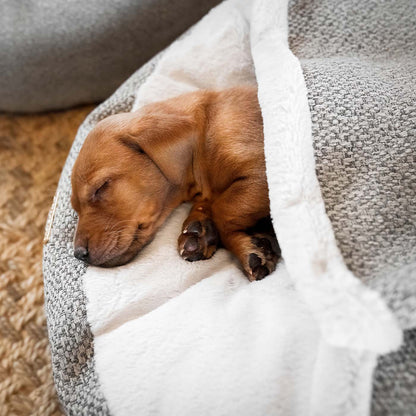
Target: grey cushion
<point>57,53</point>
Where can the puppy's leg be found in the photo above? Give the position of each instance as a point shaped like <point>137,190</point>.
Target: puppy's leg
<point>199,238</point>
<point>238,214</point>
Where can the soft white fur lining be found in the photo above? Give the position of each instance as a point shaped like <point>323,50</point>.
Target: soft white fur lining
<point>173,337</point>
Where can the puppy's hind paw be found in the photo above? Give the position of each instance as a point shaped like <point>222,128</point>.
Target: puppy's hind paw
<point>199,240</point>
<point>264,256</point>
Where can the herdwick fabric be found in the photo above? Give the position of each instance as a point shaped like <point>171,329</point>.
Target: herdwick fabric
<point>359,63</point>
<point>56,54</point>
<point>169,337</point>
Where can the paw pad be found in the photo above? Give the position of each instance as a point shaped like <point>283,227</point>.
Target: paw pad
<point>198,241</point>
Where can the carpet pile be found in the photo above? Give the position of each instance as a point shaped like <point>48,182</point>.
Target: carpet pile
<point>33,149</point>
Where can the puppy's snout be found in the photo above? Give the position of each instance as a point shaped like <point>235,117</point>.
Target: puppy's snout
<point>81,253</point>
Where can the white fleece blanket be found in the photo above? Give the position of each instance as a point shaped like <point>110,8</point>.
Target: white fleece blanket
<point>179,338</point>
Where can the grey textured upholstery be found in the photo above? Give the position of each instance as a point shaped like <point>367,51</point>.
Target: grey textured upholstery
<point>56,53</point>
<point>359,63</point>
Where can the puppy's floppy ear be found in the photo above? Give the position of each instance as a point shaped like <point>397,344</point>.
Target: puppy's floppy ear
<point>166,138</point>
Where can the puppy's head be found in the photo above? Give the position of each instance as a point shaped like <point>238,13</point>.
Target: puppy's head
<point>125,183</point>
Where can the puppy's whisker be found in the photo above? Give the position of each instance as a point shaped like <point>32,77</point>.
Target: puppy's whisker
<point>109,247</point>
<point>118,224</point>
<point>112,234</point>
<point>125,222</point>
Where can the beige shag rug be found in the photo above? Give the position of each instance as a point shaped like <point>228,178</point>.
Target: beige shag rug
<point>33,149</point>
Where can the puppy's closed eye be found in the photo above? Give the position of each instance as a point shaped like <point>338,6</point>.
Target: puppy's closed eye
<point>99,192</point>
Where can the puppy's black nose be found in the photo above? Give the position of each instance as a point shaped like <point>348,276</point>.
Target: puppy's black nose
<point>81,253</point>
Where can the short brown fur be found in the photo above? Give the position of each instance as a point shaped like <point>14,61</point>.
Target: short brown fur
<point>135,168</point>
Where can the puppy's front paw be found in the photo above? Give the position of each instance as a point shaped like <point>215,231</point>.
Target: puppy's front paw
<point>263,257</point>
<point>199,240</point>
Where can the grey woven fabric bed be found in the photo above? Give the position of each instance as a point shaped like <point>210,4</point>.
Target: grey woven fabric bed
<point>358,59</point>
<point>57,53</point>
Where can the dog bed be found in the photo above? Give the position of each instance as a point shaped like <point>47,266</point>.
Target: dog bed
<point>56,53</point>
<point>163,336</point>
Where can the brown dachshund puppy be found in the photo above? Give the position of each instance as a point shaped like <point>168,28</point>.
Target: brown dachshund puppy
<point>205,147</point>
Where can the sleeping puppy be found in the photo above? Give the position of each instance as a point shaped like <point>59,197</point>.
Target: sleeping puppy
<point>205,147</point>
